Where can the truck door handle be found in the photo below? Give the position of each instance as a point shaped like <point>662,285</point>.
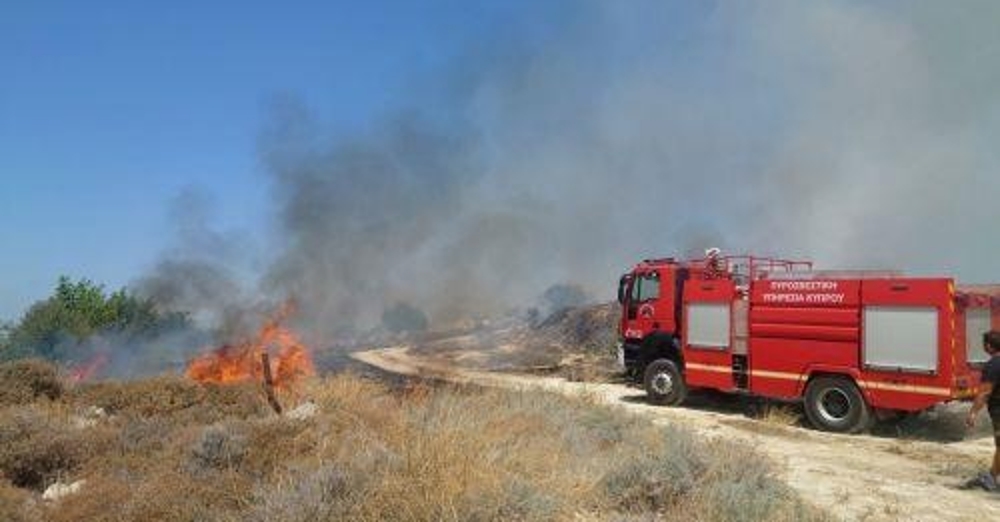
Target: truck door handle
<point>899,288</point>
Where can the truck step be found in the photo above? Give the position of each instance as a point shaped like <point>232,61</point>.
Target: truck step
<point>741,372</point>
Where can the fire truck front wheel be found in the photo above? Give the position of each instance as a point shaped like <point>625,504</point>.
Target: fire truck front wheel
<point>664,383</point>
<point>835,404</point>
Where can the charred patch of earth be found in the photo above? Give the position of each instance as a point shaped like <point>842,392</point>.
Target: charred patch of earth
<point>576,343</point>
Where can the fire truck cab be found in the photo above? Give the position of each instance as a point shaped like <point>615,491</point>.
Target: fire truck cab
<point>850,345</point>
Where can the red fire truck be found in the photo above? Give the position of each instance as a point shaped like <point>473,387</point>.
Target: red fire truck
<point>851,345</point>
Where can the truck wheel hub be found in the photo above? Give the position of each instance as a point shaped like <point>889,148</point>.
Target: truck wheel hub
<point>662,383</point>
<point>834,405</point>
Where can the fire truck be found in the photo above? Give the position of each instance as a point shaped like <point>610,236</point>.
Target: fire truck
<point>851,346</point>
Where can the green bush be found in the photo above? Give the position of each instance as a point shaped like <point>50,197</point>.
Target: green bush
<point>55,328</point>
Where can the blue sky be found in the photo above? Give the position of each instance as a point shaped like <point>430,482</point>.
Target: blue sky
<point>110,109</point>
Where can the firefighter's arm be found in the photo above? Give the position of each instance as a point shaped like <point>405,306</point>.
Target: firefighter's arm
<point>985,390</point>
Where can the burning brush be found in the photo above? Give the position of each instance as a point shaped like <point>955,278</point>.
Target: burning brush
<point>88,369</point>
<point>274,355</point>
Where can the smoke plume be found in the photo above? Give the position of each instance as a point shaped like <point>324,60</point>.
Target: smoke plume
<point>857,135</point>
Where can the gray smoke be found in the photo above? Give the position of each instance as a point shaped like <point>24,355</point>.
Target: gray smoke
<point>208,273</point>
<point>858,135</point>
<point>887,159</point>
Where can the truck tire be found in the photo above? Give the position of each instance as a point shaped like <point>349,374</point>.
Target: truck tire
<point>664,383</point>
<point>836,404</point>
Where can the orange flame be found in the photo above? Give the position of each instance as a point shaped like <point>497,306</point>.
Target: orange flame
<point>86,370</point>
<point>289,357</point>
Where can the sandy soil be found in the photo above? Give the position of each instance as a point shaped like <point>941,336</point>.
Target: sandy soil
<point>856,477</point>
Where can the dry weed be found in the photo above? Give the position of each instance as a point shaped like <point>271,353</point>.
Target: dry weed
<point>176,451</point>
<point>172,396</point>
<point>28,379</point>
<point>779,414</point>
<point>39,445</point>
<point>219,447</point>
<point>17,505</point>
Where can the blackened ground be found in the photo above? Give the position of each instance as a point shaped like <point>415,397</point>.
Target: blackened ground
<point>577,343</point>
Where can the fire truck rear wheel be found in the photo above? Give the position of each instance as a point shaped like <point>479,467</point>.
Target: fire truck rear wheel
<point>835,404</point>
<point>664,383</point>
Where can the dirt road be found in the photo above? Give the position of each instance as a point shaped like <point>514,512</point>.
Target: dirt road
<point>856,477</point>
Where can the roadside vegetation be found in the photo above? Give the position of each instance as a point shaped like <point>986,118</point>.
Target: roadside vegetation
<point>170,449</point>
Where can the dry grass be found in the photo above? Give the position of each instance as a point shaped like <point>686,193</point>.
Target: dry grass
<point>171,396</point>
<point>25,380</point>
<point>779,414</point>
<point>170,450</point>
<point>18,505</point>
<point>39,445</point>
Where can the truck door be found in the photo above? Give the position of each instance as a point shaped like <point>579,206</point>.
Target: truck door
<point>907,324</point>
<point>908,346</point>
<point>707,339</point>
<point>650,305</point>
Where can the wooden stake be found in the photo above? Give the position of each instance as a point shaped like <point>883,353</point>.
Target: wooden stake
<point>265,360</point>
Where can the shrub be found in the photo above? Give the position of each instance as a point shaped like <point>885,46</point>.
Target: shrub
<point>274,442</point>
<point>430,452</point>
<point>35,448</point>
<point>27,380</point>
<point>514,499</point>
<point>144,435</point>
<point>740,485</point>
<point>656,473</point>
<point>160,495</point>
<point>220,446</point>
<point>220,401</point>
<point>325,493</point>
<point>172,395</point>
<point>147,397</point>
<point>17,505</point>
<point>54,328</point>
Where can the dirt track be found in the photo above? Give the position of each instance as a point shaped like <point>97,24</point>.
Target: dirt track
<point>856,477</point>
